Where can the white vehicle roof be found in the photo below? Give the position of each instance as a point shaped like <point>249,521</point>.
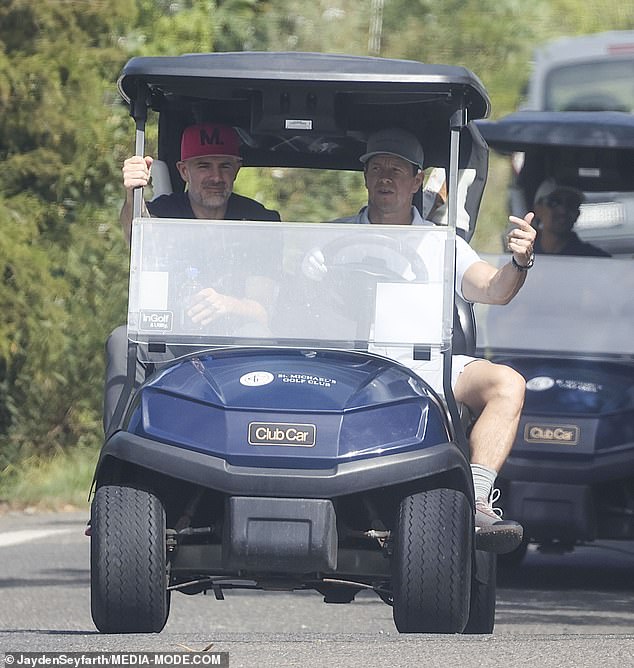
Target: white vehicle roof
<point>583,73</point>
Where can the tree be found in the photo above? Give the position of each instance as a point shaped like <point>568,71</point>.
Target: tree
<point>58,125</point>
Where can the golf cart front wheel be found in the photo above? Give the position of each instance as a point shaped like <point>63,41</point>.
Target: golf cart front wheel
<point>483,594</point>
<point>431,562</point>
<point>128,576</point>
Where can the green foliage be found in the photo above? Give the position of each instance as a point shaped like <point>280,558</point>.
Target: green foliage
<point>322,26</point>
<point>58,127</point>
<point>193,26</point>
<point>331,194</point>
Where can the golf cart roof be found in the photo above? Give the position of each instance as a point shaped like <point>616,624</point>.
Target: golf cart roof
<point>303,109</point>
<point>524,130</point>
<point>592,151</point>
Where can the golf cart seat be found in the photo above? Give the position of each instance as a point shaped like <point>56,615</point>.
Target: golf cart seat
<point>161,180</point>
<point>464,327</point>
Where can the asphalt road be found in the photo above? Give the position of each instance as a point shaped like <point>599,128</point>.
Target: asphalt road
<point>572,610</point>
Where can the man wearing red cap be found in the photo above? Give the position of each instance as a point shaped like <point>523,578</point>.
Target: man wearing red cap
<point>210,161</point>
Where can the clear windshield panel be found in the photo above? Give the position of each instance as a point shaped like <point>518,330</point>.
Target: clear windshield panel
<point>603,85</point>
<point>196,284</point>
<point>568,305</point>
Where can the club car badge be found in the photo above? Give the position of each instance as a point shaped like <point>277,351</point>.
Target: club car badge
<point>281,433</point>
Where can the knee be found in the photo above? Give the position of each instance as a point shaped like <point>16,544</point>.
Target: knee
<point>509,385</point>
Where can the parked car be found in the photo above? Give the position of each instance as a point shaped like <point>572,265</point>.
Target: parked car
<point>583,73</point>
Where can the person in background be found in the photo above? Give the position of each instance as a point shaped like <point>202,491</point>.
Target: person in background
<point>557,209</point>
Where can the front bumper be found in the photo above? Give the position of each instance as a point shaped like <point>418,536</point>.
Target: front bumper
<point>345,478</point>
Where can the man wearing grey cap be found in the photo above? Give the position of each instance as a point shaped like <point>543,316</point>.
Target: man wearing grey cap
<point>393,170</point>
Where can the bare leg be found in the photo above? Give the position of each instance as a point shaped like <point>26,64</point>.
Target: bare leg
<point>495,393</point>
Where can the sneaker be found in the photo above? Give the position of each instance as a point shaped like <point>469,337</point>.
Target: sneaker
<point>493,533</point>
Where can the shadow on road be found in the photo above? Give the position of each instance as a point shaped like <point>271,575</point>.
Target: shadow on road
<point>594,585</point>
<point>54,577</point>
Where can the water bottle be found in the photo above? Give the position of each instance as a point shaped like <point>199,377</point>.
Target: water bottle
<point>190,287</point>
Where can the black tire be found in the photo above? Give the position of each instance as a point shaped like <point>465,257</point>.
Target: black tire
<point>483,594</point>
<point>431,562</point>
<point>128,564</point>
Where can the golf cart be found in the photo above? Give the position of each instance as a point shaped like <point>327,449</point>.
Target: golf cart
<point>303,453</point>
<point>570,477</point>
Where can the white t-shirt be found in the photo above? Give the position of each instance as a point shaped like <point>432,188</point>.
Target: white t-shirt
<point>465,255</point>
<point>430,370</point>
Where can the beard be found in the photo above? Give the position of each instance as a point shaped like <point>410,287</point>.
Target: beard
<point>211,197</point>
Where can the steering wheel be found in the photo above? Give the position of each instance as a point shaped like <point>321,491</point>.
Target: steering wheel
<point>353,284</point>
<point>375,272</point>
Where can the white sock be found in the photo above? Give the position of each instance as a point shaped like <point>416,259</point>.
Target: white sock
<point>483,480</point>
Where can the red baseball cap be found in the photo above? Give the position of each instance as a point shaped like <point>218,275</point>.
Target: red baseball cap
<point>209,139</point>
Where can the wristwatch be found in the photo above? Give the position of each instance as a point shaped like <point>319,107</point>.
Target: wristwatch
<point>523,267</point>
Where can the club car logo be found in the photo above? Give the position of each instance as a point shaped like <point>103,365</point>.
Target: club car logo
<point>276,433</point>
<point>156,320</point>
<point>566,434</point>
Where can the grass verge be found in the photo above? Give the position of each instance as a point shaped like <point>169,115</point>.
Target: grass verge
<point>60,482</point>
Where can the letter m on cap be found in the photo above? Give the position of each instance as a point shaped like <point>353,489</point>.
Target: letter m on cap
<point>212,138</point>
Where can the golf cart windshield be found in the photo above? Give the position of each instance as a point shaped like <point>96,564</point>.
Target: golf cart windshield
<point>568,306</point>
<point>386,289</point>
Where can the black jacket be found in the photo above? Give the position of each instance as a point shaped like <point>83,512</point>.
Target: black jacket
<point>177,205</point>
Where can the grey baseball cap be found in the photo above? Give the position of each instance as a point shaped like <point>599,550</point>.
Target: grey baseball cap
<point>395,141</point>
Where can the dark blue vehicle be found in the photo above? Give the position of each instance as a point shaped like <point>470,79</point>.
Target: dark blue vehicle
<point>570,477</point>
<point>304,452</point>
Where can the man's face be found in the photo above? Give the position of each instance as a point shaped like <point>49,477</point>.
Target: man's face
<point>558,212</point>
<point>391,182</point>
<point>210,179</point>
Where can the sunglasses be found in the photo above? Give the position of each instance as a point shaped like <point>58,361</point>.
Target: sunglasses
<point>567,201</point>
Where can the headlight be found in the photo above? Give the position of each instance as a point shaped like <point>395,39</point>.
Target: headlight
<point>393,427</point>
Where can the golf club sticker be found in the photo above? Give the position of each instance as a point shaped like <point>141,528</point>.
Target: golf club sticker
<point>540,383</point>
<point>256,378</point>
<point>306,379</point>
